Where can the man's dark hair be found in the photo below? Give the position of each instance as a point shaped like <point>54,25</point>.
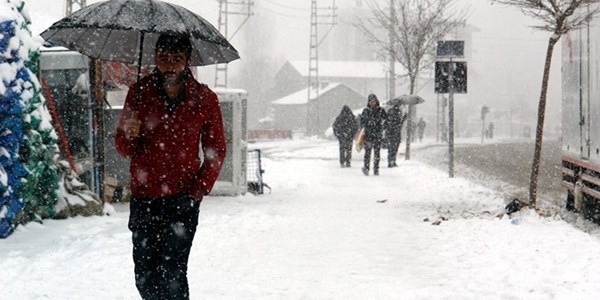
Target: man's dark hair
<point>171,42</point>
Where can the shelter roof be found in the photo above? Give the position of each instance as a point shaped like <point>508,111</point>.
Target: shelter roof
<point>301,97</point>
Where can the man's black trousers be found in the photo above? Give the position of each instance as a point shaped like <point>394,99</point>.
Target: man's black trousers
<point>393,145</point>
<point>162,232</point>
<point>345,152</point>
<point>376,147</point>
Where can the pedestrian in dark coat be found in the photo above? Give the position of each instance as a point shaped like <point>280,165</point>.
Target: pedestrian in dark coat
<point>412,125</point>
<point>162,131</point>
<point>344,129</point>
<point>372,119</point>
<point>421,127</point>
<point>393,129</point>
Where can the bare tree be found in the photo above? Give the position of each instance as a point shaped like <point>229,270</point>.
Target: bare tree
<point>407,31</point>
<point>557,17</point>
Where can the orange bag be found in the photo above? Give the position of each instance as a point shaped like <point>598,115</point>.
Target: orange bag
<point>359,139</point>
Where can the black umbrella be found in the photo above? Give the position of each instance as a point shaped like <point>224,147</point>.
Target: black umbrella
<point>406,100</point>
<point>127,31</point>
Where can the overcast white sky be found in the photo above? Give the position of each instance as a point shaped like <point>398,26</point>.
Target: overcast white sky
<point>506,51</point>
<point>501,28</point>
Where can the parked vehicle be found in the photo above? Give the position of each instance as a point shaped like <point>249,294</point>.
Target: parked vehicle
<point>581,120</point>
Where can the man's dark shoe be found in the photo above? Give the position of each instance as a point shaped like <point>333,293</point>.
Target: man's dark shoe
<point>347,165</point>
<point>376,172</point>
<point>365,171</point>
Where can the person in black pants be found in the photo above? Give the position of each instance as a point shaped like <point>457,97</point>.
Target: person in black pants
<point>393,129</point>
<point>161,263</point>
<point>169,124</point>
<point>344,128</point>
<point>372,119</point>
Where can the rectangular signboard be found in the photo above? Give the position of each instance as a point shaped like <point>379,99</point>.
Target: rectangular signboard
<point>459,77</point>
<point>450,48</point>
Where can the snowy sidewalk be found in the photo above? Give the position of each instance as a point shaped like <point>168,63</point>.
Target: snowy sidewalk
<point>325,233</point>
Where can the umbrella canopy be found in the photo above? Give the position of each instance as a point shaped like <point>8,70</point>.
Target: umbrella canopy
<point>406,100</point>
<point>122,30</point>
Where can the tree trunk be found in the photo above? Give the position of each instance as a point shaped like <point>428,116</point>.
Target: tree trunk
<point>409,120</point>
<point>535,166</point>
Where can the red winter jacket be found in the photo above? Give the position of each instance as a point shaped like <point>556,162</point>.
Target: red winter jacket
<point>165,157</point>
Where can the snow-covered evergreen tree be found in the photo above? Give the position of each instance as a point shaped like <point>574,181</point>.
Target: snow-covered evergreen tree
<point>15,79</point>
<point>34,184</point>
<point>40,151</point>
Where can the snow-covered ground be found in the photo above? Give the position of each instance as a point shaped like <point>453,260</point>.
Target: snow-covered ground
<point>325,233</point>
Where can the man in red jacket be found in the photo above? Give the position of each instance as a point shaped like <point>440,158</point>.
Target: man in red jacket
<point>171,129</point>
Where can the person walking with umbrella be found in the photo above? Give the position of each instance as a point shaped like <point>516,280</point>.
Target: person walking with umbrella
<point>393,129</point>
<point>160,130</point>
<point>410,100</point>
<point>373,121</point>
<point>166,118</point>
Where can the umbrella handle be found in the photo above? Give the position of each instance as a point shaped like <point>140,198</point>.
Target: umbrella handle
<point>140,56</point>
<point>139,74</point>
<point>134,115</point>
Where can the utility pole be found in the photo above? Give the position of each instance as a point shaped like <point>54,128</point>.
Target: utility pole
<point>73,5</point>
<point>444,127</point>
<point>392,52</point>
<point>316,13</point>
<point>437,119</point>
<point>242,8</point>
<point>313,64</point>
<point>451,120</point>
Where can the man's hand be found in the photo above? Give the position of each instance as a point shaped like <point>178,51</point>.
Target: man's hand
<point>132,127</point>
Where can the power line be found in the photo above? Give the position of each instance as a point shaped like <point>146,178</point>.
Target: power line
<point>285,6</point>
<point>279,14</point>
<point>283,25</point>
